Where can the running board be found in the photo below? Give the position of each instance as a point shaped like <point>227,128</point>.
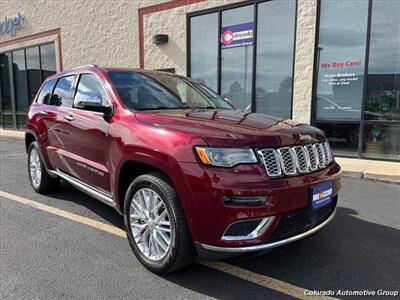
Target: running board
<point>87,189</point>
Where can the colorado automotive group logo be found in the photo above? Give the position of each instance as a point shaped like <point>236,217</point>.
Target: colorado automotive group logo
<point>237,35</point>
<point>227,37</point>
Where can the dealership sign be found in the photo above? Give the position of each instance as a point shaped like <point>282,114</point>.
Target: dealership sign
<point>237,35</point>
<point>10,25</point>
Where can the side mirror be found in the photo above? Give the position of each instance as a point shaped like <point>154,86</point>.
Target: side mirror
<point>230,102</point>
<point>92,100</point>
<point>88,100</point>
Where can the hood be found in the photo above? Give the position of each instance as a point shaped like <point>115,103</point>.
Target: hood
<point>225,127</point>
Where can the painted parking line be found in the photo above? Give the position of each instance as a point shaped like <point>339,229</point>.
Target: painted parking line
<point>261,280</point>
<point>65,214</point>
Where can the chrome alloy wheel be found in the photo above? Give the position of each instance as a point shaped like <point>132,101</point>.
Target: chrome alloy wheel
<point>150,224</point>
<point>35,167</point>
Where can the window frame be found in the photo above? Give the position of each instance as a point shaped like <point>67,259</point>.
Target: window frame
<point>219,10</point>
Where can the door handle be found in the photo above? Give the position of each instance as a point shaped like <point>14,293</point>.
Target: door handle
<point>43,113</point>
<point>69,118</point>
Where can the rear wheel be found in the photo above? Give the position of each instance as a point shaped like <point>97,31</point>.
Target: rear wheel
<point>156,225</point>
<point>40,180</point>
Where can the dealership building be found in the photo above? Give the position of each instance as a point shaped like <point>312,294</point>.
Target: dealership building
<point>330,63</point>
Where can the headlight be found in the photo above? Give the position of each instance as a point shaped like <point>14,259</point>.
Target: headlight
<point>226,157</point>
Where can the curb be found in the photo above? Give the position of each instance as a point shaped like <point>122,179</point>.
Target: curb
<point>382,178</point>
<point>374,170</point>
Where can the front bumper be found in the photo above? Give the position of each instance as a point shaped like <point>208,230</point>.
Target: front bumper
<point>211,252</point>
<point>211,216</point>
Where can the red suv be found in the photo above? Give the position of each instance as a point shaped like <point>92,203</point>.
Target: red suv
<point>189,173</point>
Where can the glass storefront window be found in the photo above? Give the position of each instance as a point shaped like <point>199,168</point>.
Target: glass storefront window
<point>341,59</point>
<point>204,49</point>
<point>343,137</point>
<point>383,81</point>
<point>345,28</point>
<point>236,62</point>
<point>275,41</point>
<point>5,93</point>
<point>382,141</point>
<point>33,71</point>
<point>21,86</point>
<point>27,69</point>
<point>222,57</point>
<point>48,60</point>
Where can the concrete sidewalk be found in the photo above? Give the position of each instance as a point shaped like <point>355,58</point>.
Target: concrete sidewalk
<point>351,167</point>
<point>370,169</point>
<point>13,134</point>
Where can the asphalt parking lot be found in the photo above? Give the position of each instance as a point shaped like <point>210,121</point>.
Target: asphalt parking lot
<point>44,255</point>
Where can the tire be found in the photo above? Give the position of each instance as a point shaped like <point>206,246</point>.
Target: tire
<point>161,257</point>
<point>42,182</point>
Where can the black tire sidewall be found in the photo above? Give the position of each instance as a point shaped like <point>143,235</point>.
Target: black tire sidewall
<point>146,181</point>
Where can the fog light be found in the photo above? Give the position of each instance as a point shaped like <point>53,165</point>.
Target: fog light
<point>252,201</point>
<point>247,229</point>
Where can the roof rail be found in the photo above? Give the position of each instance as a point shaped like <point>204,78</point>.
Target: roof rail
<point>77,67</point>
<point>90,65</point>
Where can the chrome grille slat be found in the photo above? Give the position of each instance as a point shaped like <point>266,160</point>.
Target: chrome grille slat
<point>302,160</point>
<point>320,154</point>
<point>294,160</point>
<point>327,152</point>
<point>312,157</point>
<point>271,162</point>
<point>288,161</point>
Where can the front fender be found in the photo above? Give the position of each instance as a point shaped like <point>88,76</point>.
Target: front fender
<point>165,163</point>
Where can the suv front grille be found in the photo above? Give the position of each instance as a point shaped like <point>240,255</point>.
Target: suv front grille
<point>295,160</point>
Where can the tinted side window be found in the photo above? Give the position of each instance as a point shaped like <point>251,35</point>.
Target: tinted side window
<point>45,93</point>
<point>62,95</point>
<point>89,85</point>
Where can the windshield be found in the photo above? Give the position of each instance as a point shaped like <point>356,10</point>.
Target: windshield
<point>160,91</point>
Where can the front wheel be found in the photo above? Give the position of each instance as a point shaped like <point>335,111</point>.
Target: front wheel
<point>156,225</point>
<point>40,180</point>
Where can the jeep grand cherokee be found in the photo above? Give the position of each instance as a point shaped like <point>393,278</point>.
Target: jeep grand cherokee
<point>190,174</point>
